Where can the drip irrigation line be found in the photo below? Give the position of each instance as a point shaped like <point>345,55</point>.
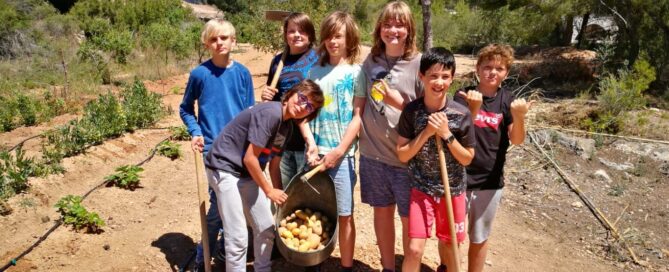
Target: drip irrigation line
<point>23,141</point>
<point>59,222</point>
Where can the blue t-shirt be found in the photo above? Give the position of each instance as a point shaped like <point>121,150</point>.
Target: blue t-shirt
<point>221,94</point>
<point>295,69</point>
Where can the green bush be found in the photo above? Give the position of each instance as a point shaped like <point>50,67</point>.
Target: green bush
<point>14,173</point>
<point>126,176</point>
<point>27,107</point>
<point>8,112</point>
<point>169,149</point>
<point>103,118</point>
<point>141,107</point>
<point>76,215</point>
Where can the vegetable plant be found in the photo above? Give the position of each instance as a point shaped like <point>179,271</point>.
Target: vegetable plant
<point>76,215</point>
<point>169,149</point>
<point>126,177</point>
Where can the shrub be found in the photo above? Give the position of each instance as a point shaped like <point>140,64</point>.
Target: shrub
<point>169,149</point>
<point>126,176</point>
<point>103,118</point>
<point>75,214</point>
<point>27,108</point>
<point>14,173</point>
<point>180,133</point>
<point>141,107</point>
<point>8,112</point>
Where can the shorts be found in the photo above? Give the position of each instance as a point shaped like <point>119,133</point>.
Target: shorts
<point>382,185</point>
<point>424,209</point>
<point>344,178</point>
<point>481,209</point>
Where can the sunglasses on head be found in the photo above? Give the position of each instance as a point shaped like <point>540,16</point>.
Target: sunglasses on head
<point>304,100</point>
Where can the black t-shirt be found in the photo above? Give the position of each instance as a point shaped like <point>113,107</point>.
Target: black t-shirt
<point>295,69</point>
<point>486,172</point>
<point>424,166</point>
<point>260,125</point>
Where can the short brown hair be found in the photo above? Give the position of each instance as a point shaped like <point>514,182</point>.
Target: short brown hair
<point>332,24</point>
<point>395,10</point>
<point>498,52</point>
<point>304,23</point>
<point>312,91</point>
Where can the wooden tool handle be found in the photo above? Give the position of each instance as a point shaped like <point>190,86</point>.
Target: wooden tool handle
<point>447,200</point>
<point>312,172</point>
<point>202,197</point>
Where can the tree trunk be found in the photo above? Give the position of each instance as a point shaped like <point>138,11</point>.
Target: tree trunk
<point>581,33</point>
<point>567,31</point>
<point>427,24</point>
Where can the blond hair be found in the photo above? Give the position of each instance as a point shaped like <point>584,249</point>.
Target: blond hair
<point>400,11</point>
<point>216,27</point>
<point>333,23</point>
<point>496,52</point>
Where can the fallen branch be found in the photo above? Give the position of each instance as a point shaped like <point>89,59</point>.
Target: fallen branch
<point>602,134</point>
<point>598,214</point>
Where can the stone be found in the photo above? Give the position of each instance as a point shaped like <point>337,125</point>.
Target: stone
<point>602,175</point>
<point>577,204</point>
<point>617,166</point>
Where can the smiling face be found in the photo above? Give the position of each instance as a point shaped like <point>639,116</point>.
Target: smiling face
<point>297,39</point>
<point>436,80</point>
<point>336,44</point>
<point>491,73</point>
<point>299,106</point>
<point>394,33</point>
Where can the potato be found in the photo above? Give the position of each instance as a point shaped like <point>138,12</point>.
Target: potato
<point>303,227</point>
<point>282,222</point>
<point>314,240</point>
<point>287,234</point>
<point>303,247</point>
<point>302,215</point>
<point>291,225</point>
<point>318,229</point>
<point>280,230</point>
<point>305,234</point>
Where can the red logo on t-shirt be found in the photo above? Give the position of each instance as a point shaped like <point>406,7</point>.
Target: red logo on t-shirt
<point>488,119</point>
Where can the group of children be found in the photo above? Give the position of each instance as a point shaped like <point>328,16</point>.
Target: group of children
<point>394,107</point>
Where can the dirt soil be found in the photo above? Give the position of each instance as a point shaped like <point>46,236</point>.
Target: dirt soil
<point>155,228</point>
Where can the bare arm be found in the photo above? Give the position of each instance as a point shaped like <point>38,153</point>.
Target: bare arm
<point>462,154</point>
<point>275,172</point>
<point>253,167</point>
<point>331,159</point>
<point>519,109</point>
<point>407,148</point>
<point>474,100</point>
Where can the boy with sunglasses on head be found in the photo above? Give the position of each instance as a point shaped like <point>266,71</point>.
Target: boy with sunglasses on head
<point>234,170</point>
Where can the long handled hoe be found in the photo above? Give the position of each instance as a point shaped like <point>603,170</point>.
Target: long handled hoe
<point>449,205</point>
<point>202,197</point>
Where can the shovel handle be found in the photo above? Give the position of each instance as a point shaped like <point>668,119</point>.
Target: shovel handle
<point>447,201</point>
<point>312,172</point>
<point>202,197</point>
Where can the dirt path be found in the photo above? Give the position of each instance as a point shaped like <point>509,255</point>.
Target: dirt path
<point>155,227</point>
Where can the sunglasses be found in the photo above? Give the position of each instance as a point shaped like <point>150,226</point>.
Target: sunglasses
<point>304,100</point>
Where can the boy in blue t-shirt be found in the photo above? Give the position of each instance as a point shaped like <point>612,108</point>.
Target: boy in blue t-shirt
<point>222,88</point>
<point>422,123</point>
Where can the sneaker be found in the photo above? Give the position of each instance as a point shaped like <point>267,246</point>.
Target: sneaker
<point>442,268</point>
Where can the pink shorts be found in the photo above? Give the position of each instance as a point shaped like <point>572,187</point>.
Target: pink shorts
<point>423,209</point>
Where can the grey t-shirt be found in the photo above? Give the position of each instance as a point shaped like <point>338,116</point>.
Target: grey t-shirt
<point>260,125</point>
<point>378,136</point>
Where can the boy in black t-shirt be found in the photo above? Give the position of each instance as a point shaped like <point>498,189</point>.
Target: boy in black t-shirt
<point>435,115</point>
<point>499,118</point>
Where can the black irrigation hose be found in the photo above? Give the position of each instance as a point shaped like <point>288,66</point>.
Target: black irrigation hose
<point>59,222</point>
<point>24,141</point>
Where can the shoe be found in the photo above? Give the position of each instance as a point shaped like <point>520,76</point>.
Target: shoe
<point>442,268</point>
<point>198,267</point>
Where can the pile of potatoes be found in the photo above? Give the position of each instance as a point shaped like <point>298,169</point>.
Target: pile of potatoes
<point>305,231</point>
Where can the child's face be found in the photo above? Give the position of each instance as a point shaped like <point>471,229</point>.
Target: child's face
<point>436,80</point>
<point>394,32</point>
<point>491,73</point>
<point>220,44</point>
<point>336,43</point>
<point>300,106</point>
<point>297,39</point>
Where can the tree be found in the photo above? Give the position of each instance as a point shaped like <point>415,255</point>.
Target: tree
<point>427,24</point>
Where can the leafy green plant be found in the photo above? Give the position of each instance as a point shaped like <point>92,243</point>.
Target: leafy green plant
<point>179,133</point>
<point>8,110</point>
<point>126,176</point>
<point>27,107</point>
<point>75,214</point>
<point>141,107</point>
<point>169,149</point>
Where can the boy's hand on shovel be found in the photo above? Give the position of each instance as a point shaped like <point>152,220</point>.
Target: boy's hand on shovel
<point>197,144</point>
<point>268,93</point>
